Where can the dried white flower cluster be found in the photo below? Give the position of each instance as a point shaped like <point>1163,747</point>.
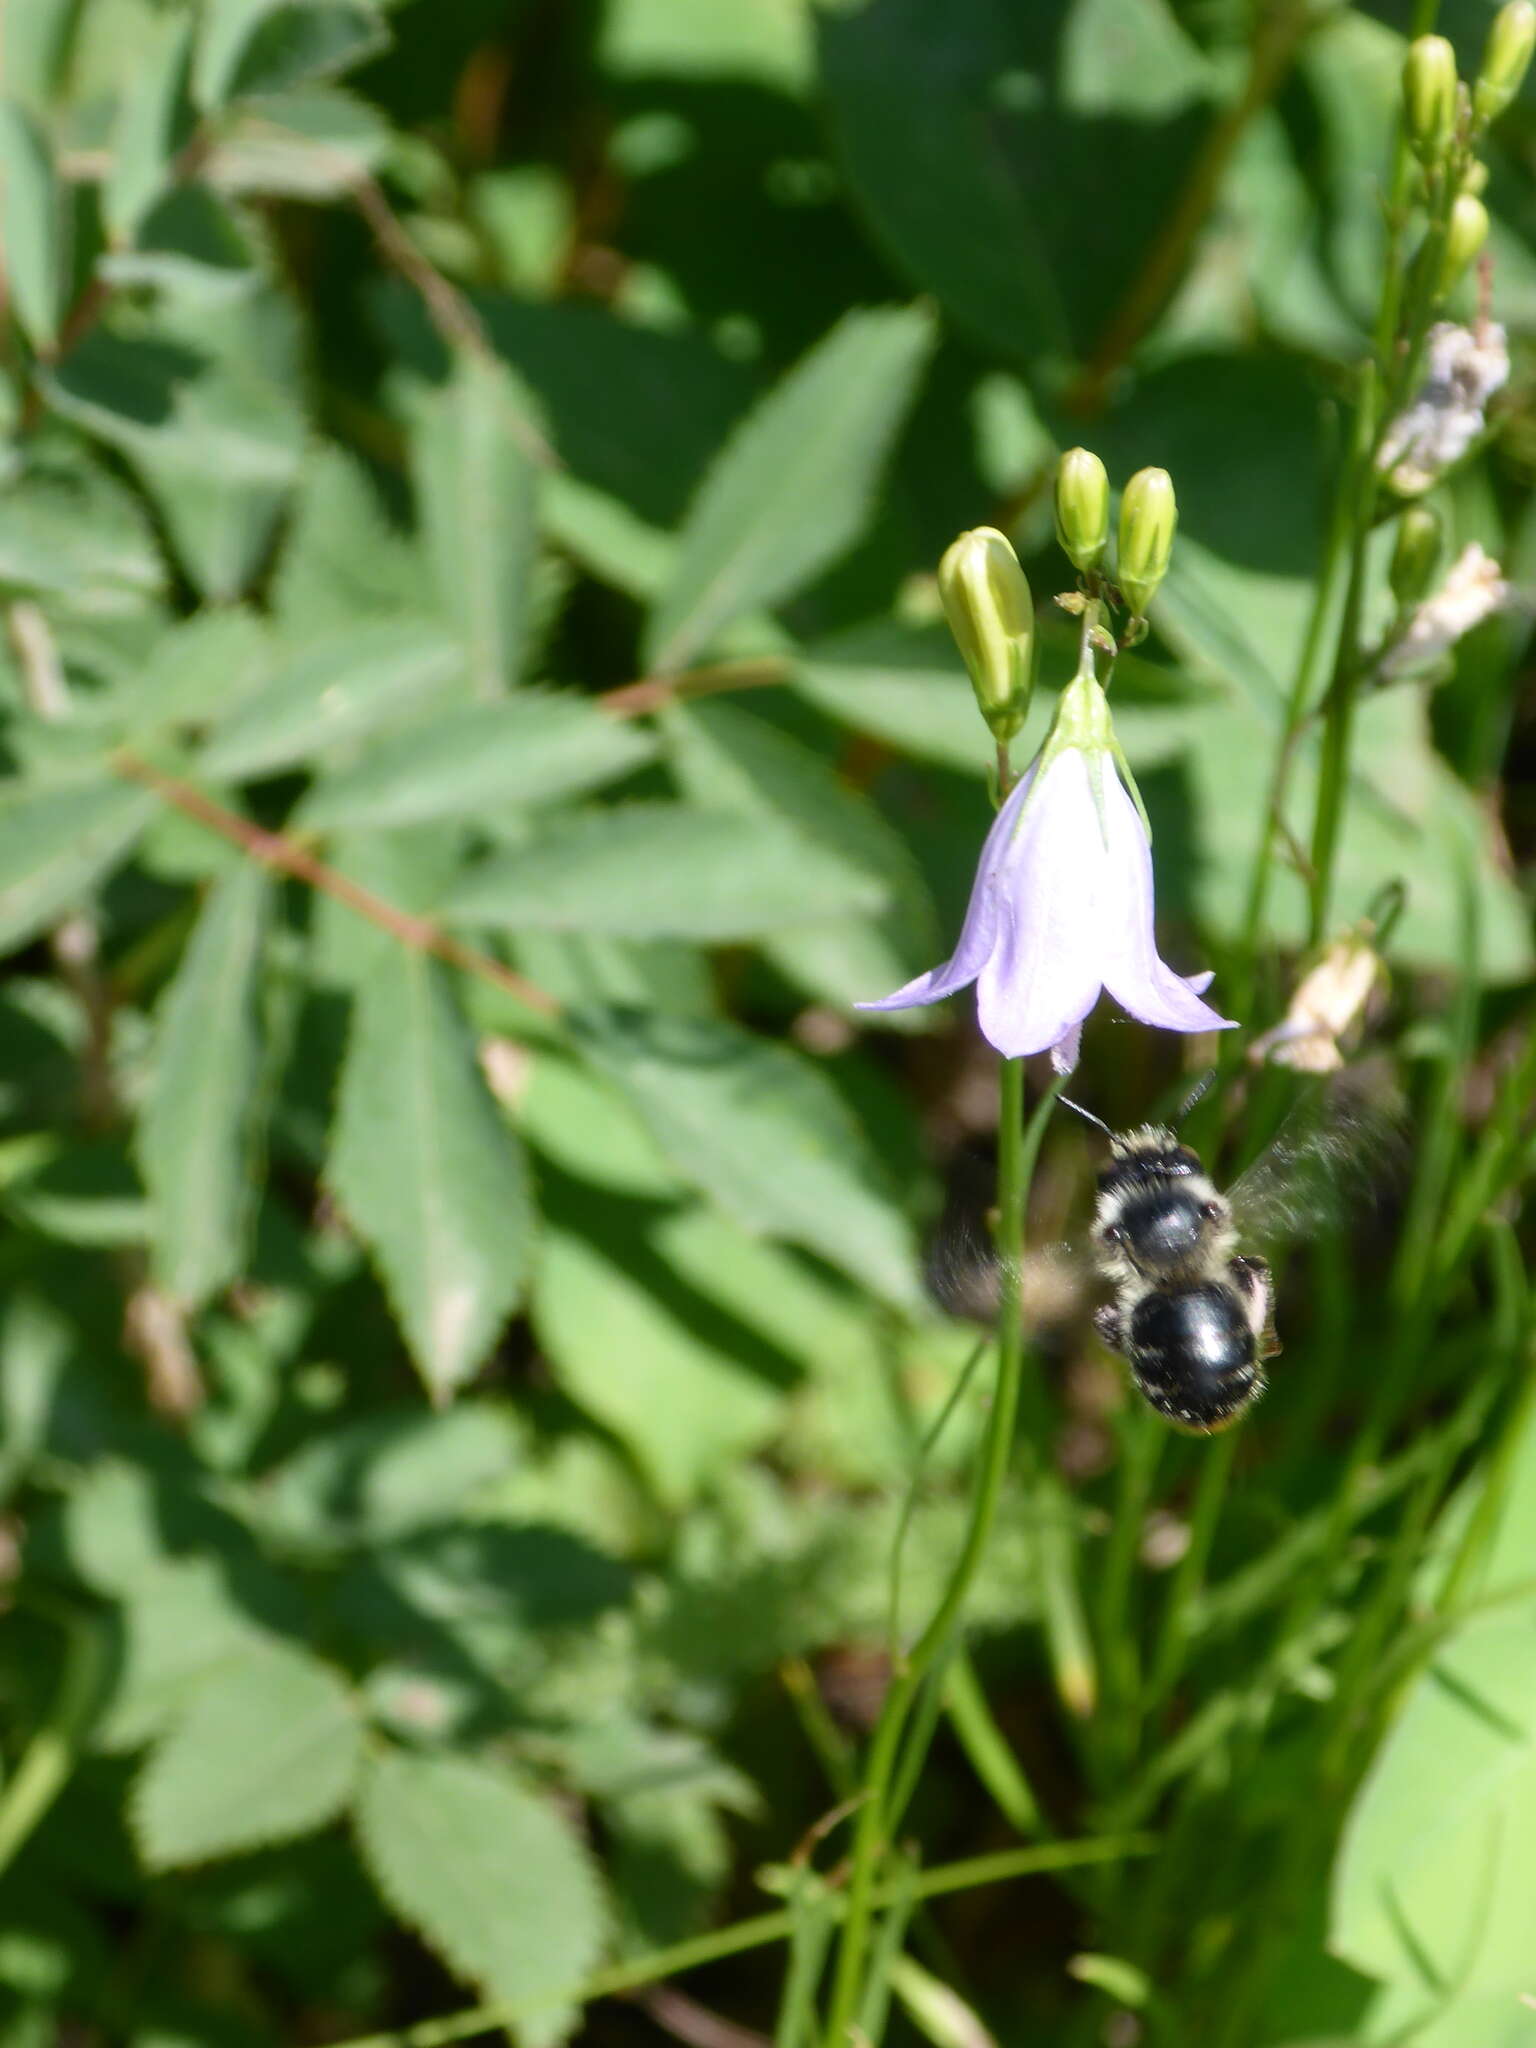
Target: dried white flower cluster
<point>1474,589</point>
<point>1466,365</point>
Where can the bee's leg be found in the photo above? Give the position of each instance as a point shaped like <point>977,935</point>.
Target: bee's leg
<point>1109,1323</point>
<point>1252,1279</point>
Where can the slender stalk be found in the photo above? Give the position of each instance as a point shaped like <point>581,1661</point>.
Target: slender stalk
<point>1189,1575</point>
<point>762,1930</point>
<point>276,850</point>
<point>50,1757</point>
<point>1017,1149</point>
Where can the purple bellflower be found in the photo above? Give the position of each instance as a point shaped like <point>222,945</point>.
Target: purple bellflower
<point>1061,908</point>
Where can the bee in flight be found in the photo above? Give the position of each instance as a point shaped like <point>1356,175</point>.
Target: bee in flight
<point>1192,1316</point>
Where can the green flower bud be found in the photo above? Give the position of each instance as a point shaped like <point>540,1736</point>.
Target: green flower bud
<point>1082,508</point>
<point>992,616</point>
<point>1474,178</point>
<point>1465,234</point>
<point>1506,59</point>
<point>1429,97</point>
<point>1415,555</point>
<point>1149,514</point>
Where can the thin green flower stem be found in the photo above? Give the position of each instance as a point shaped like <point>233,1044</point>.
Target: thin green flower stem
<point>1494,1166</point>
<point>1189,1574</point>
<point>812,1921</point>
<point>832,1749</point>
<point>49,1759</point>
<point>909,1505</point>
<point>1119,1715</point>
<point>988,1750</point>
<point>1017,1149</point>
<point>762,1930</point>
<point>1343,691</point>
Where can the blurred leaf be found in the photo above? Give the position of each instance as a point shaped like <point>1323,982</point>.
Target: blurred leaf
<point>581,1122</point>
<point>154,121</point>
<point>343,561</point>
<point>384,1475</point>
<point>262,1752</point>
<point>1439,1853</point>
<point>250,47</point>
<point>477,759</point>
<point>428,1170</point>
<point>793,487</point>
<point>204,410</point>
<point>313,143</point>
<point>340,687</point>
<point>764,1134</point>
<point>80,538</point>
<point>663,871</point>
<point>188,242</point>
<point>668,1379</point>
<point>195,1136</point>
<point>57,844</point>
<point>32,226</point>
<point>903,684</point>
<point>977,138</point>
<point>491,1875</point>
<point>725,756</point>
<point>477,486</point>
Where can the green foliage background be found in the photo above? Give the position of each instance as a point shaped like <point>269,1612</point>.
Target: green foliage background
<point>475,719</point>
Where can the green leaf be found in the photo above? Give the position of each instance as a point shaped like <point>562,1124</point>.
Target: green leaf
<point>657,870</point>
<point>263,1751</point>
<point>491,1876</point>
<point>477,487</point>
<point>80,538</point>
<point>154,120</point>
<point>32,226</point>
<point>252,47</point>
<point>384,1475</point>
<point>197,1130</point>
<point>340,687</point>
<point>479,759</point>
<point>726,756</point>
<point>762,1132</point>
<point>678,1387</point>
<point>342,560</point>
<point>975,143</point>
<point>906,687</point>
<point>204,408</point>
<point>426,1167</point>
<point>57,844</point>
<point>793,487</point>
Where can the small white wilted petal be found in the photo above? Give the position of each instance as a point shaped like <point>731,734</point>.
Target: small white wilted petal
<point>1474,589</point>
<point>1327,1002</point>
<point>1061,910</point>
<point>1464,367</point>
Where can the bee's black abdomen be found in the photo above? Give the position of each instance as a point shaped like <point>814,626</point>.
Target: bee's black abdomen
<point>1194,1356</point>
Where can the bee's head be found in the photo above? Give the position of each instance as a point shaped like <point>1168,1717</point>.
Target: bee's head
<point>1159,1214</point>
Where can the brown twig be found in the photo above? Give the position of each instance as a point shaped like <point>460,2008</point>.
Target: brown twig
<point>275,850</point>
<point>651,693</point>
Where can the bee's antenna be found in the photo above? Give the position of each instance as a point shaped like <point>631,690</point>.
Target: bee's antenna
<point>1197,1094</point>
<point>1067,1103</point>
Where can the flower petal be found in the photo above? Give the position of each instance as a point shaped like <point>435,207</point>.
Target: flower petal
<point>1139,980</point>
<point>1042,976</point>
<point>979,932</point>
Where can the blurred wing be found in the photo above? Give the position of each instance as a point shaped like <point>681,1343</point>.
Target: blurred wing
<point>1334,1158</point>
<point>963,1272</point>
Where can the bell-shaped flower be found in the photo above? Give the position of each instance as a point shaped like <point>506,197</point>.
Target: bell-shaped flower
<point>1061,909</point>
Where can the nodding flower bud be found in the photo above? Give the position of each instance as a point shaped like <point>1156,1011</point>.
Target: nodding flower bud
<point>1429,97</point>
<point>1465,233</point>
<point>1149,514</point>
<point>992,616</point>
<point>1506,59</point>
<point>1082,508</point>
<point>1416,555</point>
